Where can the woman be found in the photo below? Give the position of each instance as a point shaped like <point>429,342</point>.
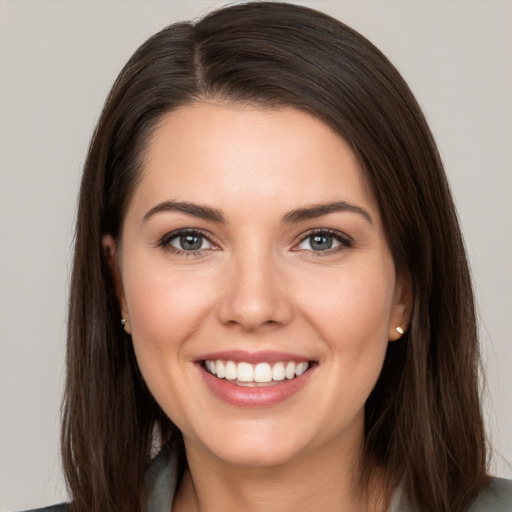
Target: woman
<point>270,290</point>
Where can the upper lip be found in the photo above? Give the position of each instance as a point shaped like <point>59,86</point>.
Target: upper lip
<point>266,356</point>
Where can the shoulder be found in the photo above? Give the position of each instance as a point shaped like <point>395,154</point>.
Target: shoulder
<point>161,479</point>
<point>496,497</point>
<point>63,507</point>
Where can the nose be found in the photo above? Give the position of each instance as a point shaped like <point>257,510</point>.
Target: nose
<point>255,296</point>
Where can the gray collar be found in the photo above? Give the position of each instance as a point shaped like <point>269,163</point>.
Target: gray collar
<point>162,477</point>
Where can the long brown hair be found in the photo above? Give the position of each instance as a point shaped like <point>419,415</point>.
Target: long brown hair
<point>423,419</point>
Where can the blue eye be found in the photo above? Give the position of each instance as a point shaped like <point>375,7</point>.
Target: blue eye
<point>189,241</point>
<point>322,241</point>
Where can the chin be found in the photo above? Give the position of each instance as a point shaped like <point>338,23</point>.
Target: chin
<point>256,445</point>
<point>256,456</point>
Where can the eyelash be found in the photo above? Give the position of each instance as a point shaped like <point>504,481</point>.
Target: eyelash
<point>344,241</point>
<point>165,242</point>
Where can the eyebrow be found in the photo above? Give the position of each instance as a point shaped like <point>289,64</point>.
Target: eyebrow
<point>196,210</point>
<point>318,210</point>
<point>292,217</point>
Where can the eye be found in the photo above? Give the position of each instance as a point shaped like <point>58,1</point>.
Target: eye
<point>186,241</point>
<point>323,241</point>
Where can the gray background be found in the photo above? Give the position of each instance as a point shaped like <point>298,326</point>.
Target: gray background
<point>58,60</point>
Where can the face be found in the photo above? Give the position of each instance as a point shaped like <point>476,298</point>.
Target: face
<point>257,283</point>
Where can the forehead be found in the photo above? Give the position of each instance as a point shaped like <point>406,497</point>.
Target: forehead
<point>235,155</point>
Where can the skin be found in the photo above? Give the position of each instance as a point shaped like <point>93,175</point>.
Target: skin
<point>257,284</point>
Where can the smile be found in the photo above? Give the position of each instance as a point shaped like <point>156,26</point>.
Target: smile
<point>255,375</point>
<point>261,379</point>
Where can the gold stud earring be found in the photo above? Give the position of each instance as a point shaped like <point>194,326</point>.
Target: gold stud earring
<point>125,325</point>
<point>399,330</point>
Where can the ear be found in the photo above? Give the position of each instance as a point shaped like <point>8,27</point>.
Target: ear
<point>112,258</point>
<point>400,316</point>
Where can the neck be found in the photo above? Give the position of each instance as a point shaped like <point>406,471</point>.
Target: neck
<point>321,479</point>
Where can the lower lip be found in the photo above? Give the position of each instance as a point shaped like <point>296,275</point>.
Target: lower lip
<point>263,396</point>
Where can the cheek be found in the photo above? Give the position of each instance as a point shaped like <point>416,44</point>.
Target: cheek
<point>165,308</point>
<point>355,302</point>
<point>351,316</point>
<point>161,301</point>
<point>351,313</point>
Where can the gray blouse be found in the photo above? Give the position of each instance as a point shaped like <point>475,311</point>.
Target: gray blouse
<point>162,476</point>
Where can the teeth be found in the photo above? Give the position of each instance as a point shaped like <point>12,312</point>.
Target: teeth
<point>301,368</point>
<point>259,373</point>
<point>278,372</point>
<point>212,367</point>
<point>221,370</point>
<point>230,369</point>
<point>262,372</point>
<point>245,372</point>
